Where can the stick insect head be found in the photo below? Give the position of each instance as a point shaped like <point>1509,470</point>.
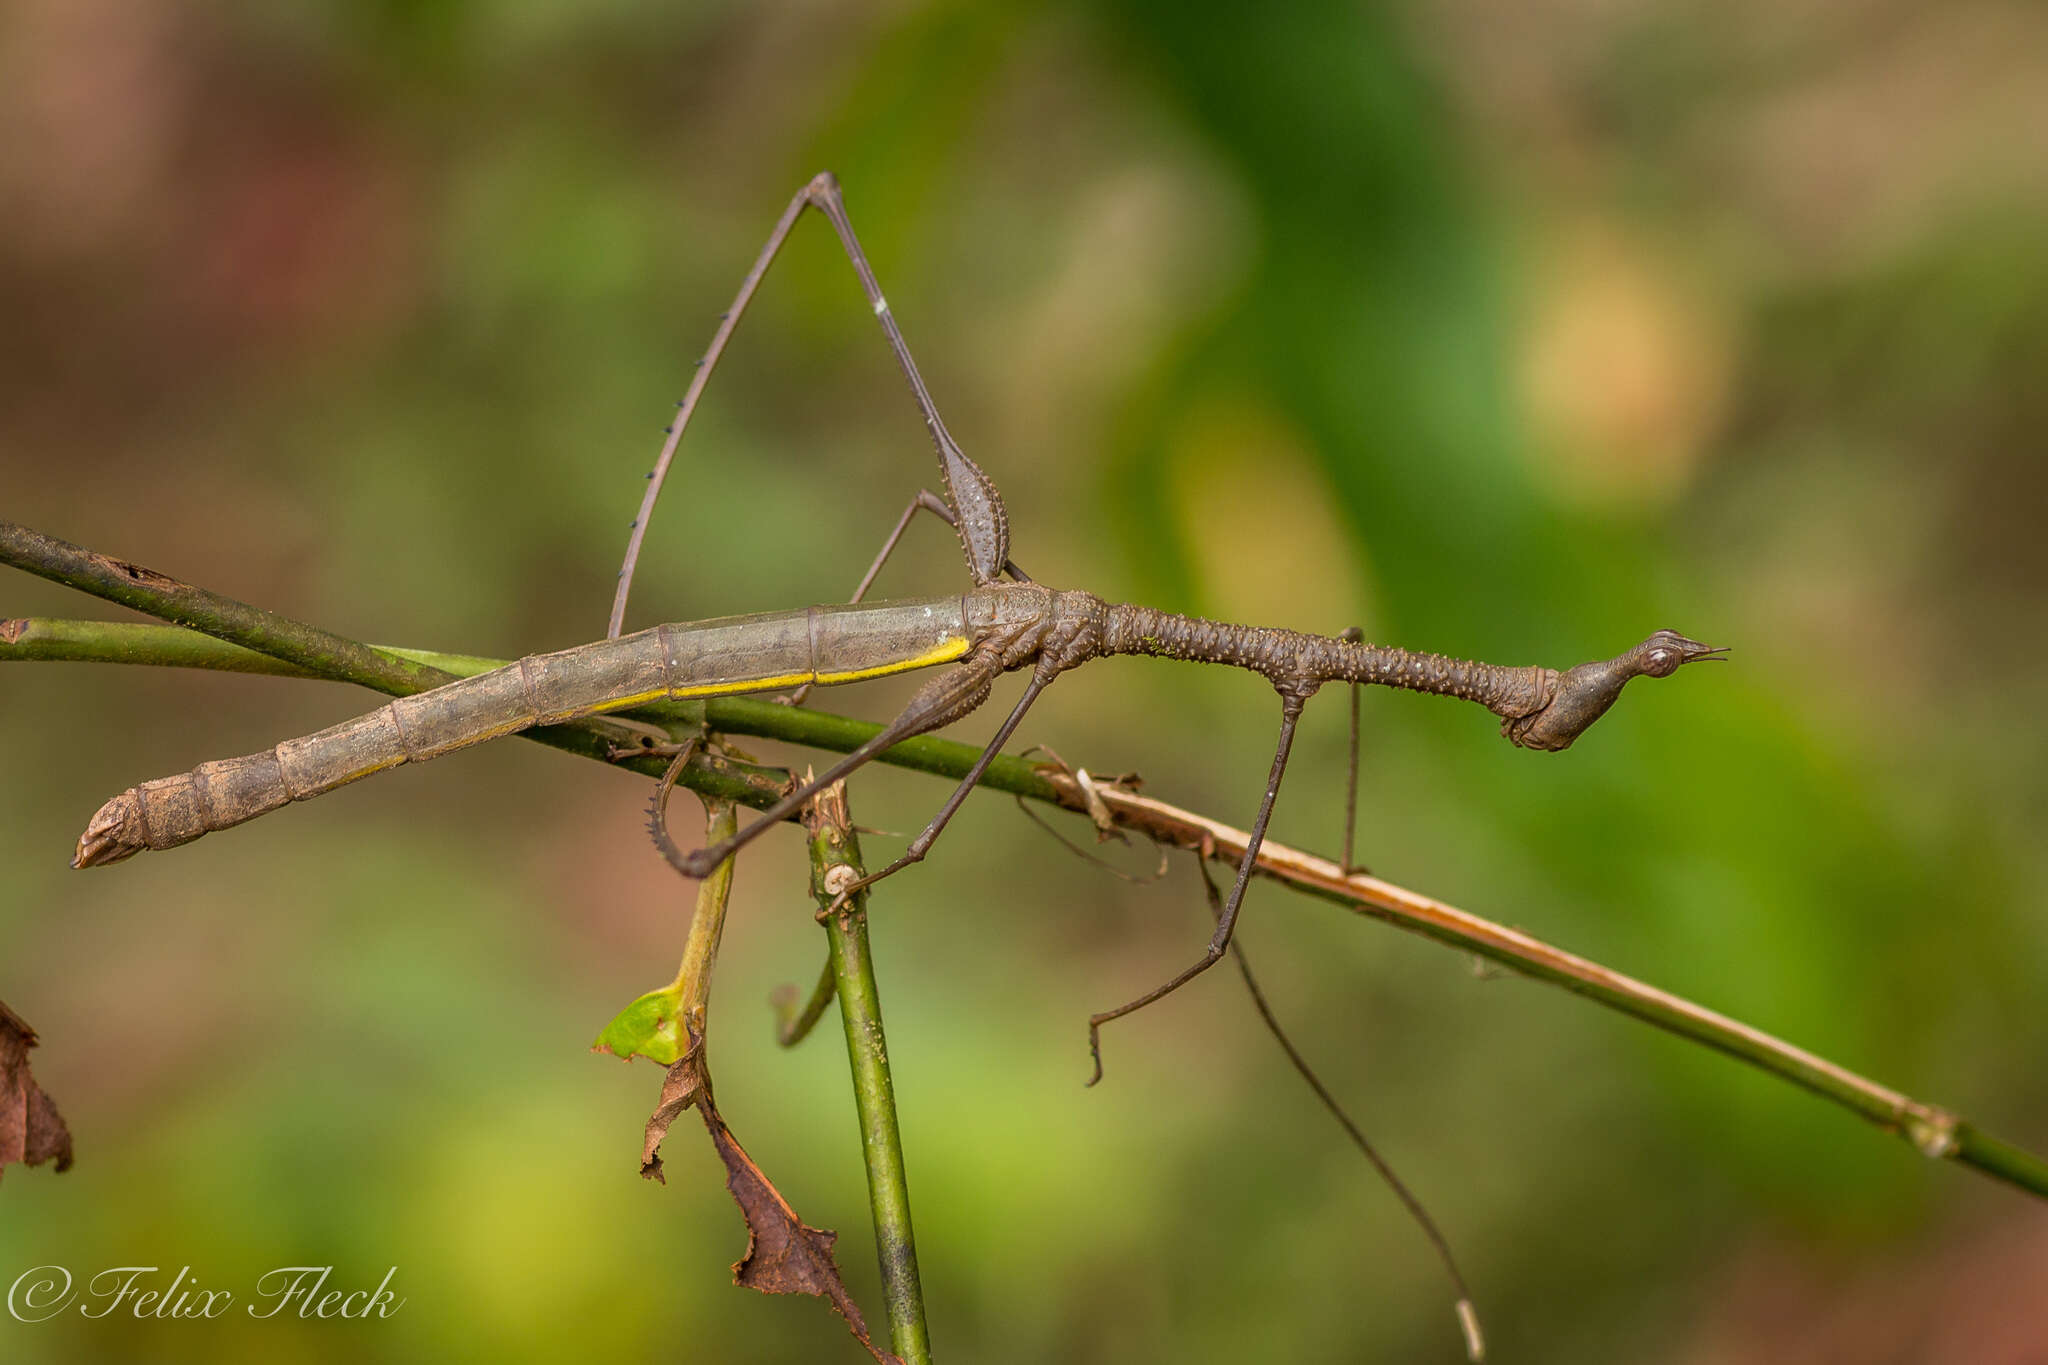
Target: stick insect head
<point>1584,693</point>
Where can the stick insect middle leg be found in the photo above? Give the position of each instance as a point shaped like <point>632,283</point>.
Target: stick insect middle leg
<point>1292,699</point>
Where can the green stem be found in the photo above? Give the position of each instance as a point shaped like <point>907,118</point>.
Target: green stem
<point>317,651</point>
<point>793,1025</point>
<point>835,862</point>
<point>707,927</point>
<point>236,637</point>
<point>1933,1131</point>
<point>48,639</point>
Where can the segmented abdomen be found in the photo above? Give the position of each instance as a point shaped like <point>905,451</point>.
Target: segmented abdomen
<point>737,654</point>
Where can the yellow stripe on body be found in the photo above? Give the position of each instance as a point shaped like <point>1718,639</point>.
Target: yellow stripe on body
<point>364,772</point>
<point>946,651</point>
<point>726,689</point>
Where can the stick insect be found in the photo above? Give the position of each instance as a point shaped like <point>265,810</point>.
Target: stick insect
<point>1005,622</point>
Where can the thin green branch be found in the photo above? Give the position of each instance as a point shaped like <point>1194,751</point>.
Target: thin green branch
<point>835,865</point>
<point>313,652</point>
<point>1934,1131</point>
<point>50,639</point>
<point>793,1024</point>
<point>154,594</point>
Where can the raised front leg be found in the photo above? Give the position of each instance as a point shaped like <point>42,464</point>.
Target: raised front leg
<point>977,512</point>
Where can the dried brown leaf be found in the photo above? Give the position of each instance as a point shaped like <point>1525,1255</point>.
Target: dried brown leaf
<point>687,1083</point>
<point>784,1256</point>
<point>31,1129</point>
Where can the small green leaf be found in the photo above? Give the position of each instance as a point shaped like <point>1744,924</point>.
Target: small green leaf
<point>650,1027</point>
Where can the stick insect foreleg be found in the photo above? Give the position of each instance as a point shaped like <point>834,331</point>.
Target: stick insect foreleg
<point>977,513</point>
<point>1292,699</point>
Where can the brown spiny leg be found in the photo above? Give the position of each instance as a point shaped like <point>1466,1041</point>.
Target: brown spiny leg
<point>979,517</point>
<point>1292,697</point>
<point>1467,1317</point>
<point>1044,673</point>
<point>952,694</point>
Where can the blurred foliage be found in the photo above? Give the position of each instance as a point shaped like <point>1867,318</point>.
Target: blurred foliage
<point>1512,333</point>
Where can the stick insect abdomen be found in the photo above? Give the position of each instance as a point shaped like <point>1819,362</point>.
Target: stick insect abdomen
<point>831,644</point>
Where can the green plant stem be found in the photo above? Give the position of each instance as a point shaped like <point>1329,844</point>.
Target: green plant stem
<point>1934,1131</point>
<point>311,651</point>
<point>794,1024</point>
<point>154,594</point>
<point>133,642</point>
<point>707,928</point>
<point>835,862</point>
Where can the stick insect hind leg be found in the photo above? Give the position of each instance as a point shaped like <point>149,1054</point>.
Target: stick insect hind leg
<point>1468,1317</point>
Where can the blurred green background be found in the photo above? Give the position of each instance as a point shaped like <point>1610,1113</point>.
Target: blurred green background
<point>1513,332</point>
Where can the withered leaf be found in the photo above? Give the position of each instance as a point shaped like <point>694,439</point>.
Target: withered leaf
<point>31,1129</point>
<point>686,1083</point>
<point>784,1256</point>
